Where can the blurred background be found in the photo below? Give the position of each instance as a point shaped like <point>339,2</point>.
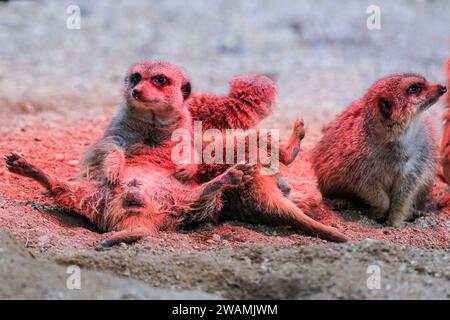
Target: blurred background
<point>320,53</point>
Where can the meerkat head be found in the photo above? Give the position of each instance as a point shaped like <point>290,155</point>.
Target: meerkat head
<point>397,100</point>
<point>159,87</point>
<point>448,81</point>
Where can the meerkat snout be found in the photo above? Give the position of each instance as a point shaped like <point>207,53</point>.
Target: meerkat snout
<point>136,94</point>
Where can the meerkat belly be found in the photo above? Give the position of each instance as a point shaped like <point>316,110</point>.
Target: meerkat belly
<point>155,187</point>
<point>397,160</point>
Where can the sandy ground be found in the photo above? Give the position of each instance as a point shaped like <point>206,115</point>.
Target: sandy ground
<point>59,88</point>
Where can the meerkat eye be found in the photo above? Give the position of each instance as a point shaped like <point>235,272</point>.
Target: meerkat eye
<point>160,80</point>
<point>135,78</point>
<point>415,88</point>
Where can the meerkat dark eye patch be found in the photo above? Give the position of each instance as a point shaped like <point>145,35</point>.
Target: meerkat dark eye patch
<point>414,88</point>
<point>135,78</point>
<point>186,89</point>
<point>385,108</point>
<point>160,80</point>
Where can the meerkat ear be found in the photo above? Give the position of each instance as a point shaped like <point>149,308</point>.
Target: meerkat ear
<point>186,89</point>
<point>385,108</point>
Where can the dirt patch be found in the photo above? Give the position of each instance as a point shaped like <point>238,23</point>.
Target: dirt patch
<point>325,271</point>
<point>26,277</point>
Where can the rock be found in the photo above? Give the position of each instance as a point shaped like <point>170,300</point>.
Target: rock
<point>73,163</point>
<point>22,277</point>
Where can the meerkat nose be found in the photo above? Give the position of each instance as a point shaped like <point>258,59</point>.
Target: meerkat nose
<point>136,94</point>
<point>443,90</point>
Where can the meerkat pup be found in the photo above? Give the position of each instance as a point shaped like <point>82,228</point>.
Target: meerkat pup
<point>381,149</point>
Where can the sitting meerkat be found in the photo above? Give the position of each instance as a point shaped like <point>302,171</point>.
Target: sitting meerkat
<point>445,143</point>
<point>381,149</point>
<point>146,84</point>
<point>147,198</point>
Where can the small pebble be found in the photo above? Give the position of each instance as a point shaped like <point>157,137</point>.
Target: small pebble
<point>73,163</point>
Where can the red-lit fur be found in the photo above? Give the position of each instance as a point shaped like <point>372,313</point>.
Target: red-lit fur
<point>445,142</point>
<point>250,99</point>
<point>126,182</point>
<point>146,197</point>
<point>381,150</point>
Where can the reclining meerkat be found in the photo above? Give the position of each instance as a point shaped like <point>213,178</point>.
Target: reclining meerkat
<point>381,149</point>
<point>250,99</point>
<point>146,197</point>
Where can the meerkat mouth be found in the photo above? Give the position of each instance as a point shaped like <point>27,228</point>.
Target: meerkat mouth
<point>144,103</point>
<point>427,104</point>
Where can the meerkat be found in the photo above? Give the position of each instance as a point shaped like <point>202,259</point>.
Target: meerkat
<point>147,83</point>
<point>445,143</point>
<point>147,198</point>
<point>381,150</point>
<point>251,99</point>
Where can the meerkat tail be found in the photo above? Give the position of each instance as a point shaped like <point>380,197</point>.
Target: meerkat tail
<point>289,212</point>
<point>307,200</point>
<point>126,236</point>
<point>275,208</point>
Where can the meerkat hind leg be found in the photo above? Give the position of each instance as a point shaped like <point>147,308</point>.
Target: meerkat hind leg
<point>65,196</point>
<point>379,203</point>
<point>20,166</point>
<point>401,204</point>
<point>289,152</point>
